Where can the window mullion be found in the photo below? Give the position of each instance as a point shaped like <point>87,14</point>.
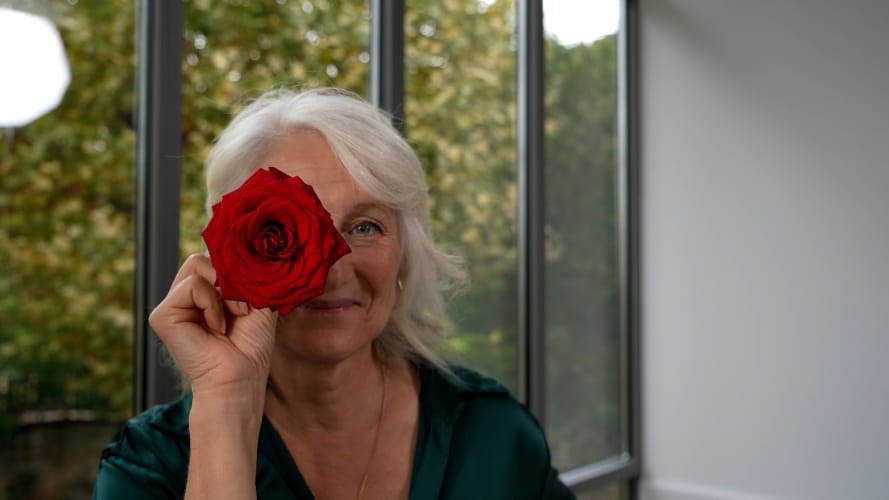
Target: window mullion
<point>387,58</point>
<point>159,108</point>
<point>530,210</point>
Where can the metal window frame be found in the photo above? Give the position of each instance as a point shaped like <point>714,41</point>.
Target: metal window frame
<point>158,166</point>
<point>159,79</point>
<point>530,212</point>
<point>387,58</point>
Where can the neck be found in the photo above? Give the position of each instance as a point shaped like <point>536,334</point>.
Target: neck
<point>306,396</point>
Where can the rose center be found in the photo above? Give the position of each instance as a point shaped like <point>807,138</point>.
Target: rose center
<point>274,241</point>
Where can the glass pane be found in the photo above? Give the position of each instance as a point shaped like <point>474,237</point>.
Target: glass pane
<point>236,50</point>
<point>66,250</point>
<point>460,117</point>
<point>583,293</point>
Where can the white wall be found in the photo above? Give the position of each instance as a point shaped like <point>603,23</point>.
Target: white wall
<point>765,249</point>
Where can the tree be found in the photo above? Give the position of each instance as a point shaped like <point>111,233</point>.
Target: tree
<point>67,196</point>
<point>583,281</point>
<point>66,261</point>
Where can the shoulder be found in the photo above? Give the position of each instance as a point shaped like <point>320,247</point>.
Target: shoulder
<point>149,452</point>
<point>484,411</point>
<point>492,436</point>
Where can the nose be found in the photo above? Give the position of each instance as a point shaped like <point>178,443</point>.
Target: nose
<point>339,273</point>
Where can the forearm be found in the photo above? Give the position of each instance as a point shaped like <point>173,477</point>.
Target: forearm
<point>224,439</point>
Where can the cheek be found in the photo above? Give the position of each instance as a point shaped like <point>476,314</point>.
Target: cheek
<point>384,267</point>
<point>378,268</point>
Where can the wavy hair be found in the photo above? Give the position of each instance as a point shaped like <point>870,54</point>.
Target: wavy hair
<point>383,165</point>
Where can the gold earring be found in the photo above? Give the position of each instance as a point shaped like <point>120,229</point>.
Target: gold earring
<point>400,285</point>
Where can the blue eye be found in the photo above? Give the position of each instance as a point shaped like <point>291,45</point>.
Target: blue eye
<point>366,228</point>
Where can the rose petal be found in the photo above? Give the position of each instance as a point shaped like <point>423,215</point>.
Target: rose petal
<point>271,242</point>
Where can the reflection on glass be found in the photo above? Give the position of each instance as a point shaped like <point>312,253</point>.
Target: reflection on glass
<point>235,50</point>
<point>66,262</point>
<point>584,366</point>
<point>460,117</point>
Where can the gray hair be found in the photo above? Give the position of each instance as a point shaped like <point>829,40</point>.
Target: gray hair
<point>383,165</point>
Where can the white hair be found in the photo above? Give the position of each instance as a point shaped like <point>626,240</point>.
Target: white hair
<point>384,166</point>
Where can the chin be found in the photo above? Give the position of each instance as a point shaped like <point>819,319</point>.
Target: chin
<point>332,345</point>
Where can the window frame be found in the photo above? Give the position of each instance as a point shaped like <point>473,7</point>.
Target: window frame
<point>159,108</point>
<point>158,170</point>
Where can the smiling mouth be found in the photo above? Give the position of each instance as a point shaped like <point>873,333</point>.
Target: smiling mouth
<point>328,306</point>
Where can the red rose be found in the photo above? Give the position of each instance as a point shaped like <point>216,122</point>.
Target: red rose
<point>272,242</point>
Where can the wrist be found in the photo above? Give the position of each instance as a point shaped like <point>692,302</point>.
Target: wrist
<point>229,411</point>
<point>223,452</point>
<point>245,399</point>
<point>226,427</point>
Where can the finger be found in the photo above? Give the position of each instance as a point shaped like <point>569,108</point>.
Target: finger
<point>206,298</point>
<point>192,300</point>
<point>257,329</point>
<point>237,307</point>
<point>196,263</point>
<point>269,316</point>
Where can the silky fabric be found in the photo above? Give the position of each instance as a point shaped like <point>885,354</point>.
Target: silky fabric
<point>474,441</point>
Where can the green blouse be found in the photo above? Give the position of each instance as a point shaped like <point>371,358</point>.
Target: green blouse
<point>474,441</point>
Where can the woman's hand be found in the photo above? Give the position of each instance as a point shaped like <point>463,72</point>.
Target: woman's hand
<point>225,350</point>
<point>223,347</point>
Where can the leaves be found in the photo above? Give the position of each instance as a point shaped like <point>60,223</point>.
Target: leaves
<point>67,185</point>
<point>66,261</point>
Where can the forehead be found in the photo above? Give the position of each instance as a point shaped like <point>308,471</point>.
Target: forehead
<point>306,153</point>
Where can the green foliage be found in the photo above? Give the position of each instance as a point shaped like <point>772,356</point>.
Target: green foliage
<point>583,281</point>
<point>66,203</point>
<point>460,118</point>
<point>234,51</point>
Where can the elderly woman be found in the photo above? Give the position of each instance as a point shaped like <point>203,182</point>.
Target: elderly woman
<point>343,397</point>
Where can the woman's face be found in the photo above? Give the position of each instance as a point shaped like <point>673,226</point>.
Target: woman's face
<point>360,291</point>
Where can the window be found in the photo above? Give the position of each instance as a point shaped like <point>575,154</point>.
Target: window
<point>524,136</point>
<point>67,260</point>
<point>584,366</point>
<point>459,112</point>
